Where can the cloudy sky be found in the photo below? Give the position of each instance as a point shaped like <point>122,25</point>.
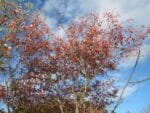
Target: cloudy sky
<point>63,11</point>
<point>58,12</point>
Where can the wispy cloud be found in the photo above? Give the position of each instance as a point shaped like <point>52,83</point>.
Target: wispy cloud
<point>135,9</point>
<point>128,91</point>
<point>65,10</point>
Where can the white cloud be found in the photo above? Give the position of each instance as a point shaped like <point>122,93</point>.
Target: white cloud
<point>128,91</point>
<point>127,63</point>
<point>135,9</point>
<point>64,11</point>
<point>109,4</point>
<point>145,51</point>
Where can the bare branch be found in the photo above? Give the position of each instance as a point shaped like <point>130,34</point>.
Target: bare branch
<point>140,81</point>
<point>125,86</point>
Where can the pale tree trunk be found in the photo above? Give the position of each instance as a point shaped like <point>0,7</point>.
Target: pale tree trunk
<point>77,108</point>
<point>60,106</point>
<point>83,95</point>
<point>84,108</point>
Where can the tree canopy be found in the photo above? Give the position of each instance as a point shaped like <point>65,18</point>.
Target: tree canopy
<point>46,72</point>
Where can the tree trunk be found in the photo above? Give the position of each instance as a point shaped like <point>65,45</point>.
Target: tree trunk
<point>61,108</point>
<point>76,108</point>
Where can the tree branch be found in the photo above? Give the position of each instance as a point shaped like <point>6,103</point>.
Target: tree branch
<point>128,81</point>
<point>140,81</point>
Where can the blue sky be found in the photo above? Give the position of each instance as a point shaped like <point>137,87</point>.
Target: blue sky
<point>58,12</point>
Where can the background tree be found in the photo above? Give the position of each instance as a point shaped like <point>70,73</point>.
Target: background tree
<point>12,20</point>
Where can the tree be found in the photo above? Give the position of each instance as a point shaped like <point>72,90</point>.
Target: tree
<point>12,20</point>
<point>65,74</point>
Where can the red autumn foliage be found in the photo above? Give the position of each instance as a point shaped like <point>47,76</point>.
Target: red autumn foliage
<point>58,73</point>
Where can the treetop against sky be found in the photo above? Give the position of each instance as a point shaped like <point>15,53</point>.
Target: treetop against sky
<point>68,54</point>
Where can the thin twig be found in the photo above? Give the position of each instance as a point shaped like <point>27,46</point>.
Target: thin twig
<point>140,81</point>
